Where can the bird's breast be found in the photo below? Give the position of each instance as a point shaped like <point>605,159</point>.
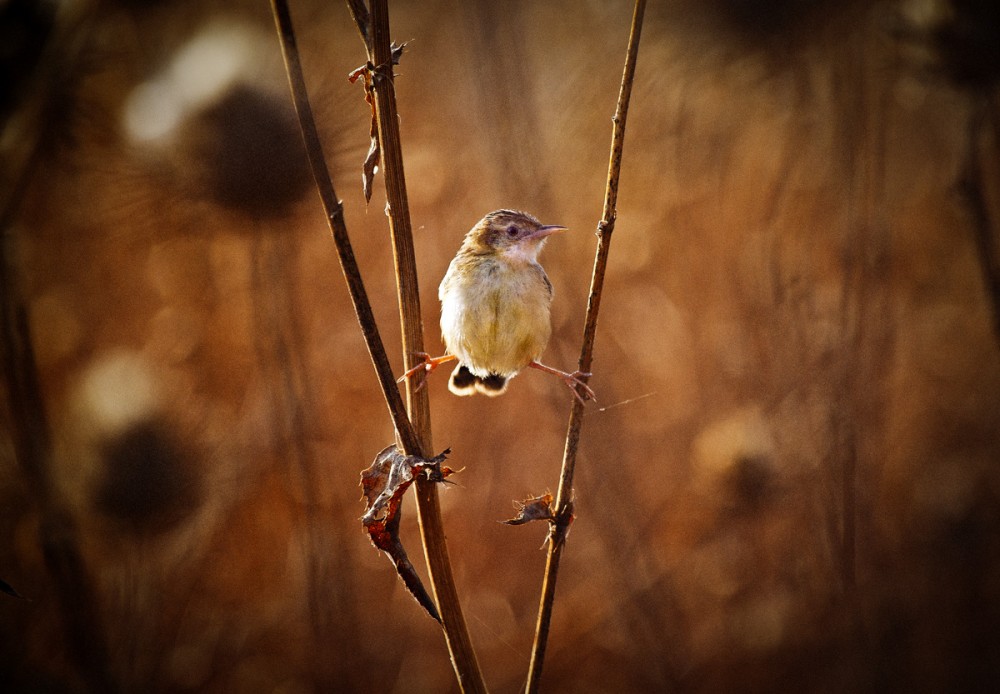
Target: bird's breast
<point>495,316</point>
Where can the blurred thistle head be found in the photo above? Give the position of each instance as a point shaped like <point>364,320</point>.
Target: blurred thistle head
<point>516,235</point>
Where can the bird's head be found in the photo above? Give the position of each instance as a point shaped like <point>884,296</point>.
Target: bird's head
<point>511,234</point>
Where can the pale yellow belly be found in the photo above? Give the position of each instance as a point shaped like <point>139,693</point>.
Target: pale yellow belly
<point>497,324</point>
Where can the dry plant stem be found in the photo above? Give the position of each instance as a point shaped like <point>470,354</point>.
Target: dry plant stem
<point>30,125</point>
<point>397,208</point>
<point>73,588</point>
<point>972,186</point>
<point>564,501</point>
<point>359,11</point>
<point>398,211</point>
<point>335,218</point>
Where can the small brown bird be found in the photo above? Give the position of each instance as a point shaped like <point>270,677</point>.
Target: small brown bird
<point>495,302</point>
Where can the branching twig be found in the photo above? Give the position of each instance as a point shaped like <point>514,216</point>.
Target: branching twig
<point>563,511</point>
<point>416,436</point>
<point>377,42</point>
<point>335,218</point>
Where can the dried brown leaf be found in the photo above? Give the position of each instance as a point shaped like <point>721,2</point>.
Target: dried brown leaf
<point>537,508</point>
<point>374,156</point>
<point>370,168</point>
<point>384,483</point>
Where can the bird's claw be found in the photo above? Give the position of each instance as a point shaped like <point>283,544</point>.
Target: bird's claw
<point>573,381</point>
<point>426,364</point>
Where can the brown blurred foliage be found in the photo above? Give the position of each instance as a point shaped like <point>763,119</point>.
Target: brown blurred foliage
<point>790,482</point>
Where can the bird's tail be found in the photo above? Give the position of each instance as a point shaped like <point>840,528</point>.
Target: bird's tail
<point>464,382</point>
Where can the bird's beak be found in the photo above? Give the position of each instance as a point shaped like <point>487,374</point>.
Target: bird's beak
<point>544,231</point>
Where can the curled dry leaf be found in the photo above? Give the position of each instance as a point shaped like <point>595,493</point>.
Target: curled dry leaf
<point>370,168</point>
<point>384,483</point>
<point>374,156</point>
<point>538,508</point>
<point>541,508</point>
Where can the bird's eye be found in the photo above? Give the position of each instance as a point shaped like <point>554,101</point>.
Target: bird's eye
<point>512,230</point>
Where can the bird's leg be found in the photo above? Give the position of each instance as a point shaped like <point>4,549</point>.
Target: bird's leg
<point>570,379</point>
<point>426,365</point>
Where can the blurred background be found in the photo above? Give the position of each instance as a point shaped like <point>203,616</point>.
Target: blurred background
<point>790,481</point>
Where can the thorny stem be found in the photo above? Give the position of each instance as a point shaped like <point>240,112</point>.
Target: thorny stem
<point>564,500</point>
<point>377,41</point>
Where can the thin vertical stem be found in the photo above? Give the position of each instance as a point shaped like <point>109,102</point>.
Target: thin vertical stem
<point>456,631</point>
<point>563,510</point>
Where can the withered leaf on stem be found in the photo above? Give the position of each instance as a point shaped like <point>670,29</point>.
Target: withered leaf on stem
<point>537,508</point>
<point>370,167</point>
<point>384,483</point>
<point>374,156</point>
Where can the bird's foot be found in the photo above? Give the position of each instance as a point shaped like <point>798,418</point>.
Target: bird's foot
<point>426,365</point>
<point>572,380</point>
